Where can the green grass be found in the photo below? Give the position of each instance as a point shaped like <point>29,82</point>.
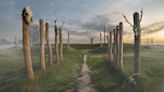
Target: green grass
<point>63,77</point>
<point>106,79</point>
<point>58,78</point>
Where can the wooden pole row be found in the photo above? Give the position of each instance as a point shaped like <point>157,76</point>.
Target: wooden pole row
<point>117,44</point>
<point>26,21</point>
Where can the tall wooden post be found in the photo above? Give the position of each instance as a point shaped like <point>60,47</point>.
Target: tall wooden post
<point>56,43</point>
<point>48,45</point>
<point>42,53</point>
<point>100,40</point>
<point>104,34</point>
<point>114,45</point>
<point>117,47</point>
<point>107,38</point>
<point>26,20</point>
<point>137,43</point>
<point>110,46</point>
<point>61,44</point>
<point>121,46</point>
<point>68,40</point>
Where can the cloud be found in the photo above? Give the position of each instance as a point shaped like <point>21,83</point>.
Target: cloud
<point>97,23</point>
<point>155,27</point>
<point>82,17</point>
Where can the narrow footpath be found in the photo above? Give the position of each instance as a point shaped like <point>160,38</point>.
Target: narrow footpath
<point>84,81</point>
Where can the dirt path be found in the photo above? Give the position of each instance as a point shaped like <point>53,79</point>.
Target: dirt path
<point>84,81</point>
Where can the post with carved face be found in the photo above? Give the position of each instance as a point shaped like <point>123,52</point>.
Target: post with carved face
<point>26,19</point>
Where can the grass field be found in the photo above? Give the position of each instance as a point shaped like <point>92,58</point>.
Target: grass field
<point>58,78</point>
<point>63,77</point>
<point>107,79</point>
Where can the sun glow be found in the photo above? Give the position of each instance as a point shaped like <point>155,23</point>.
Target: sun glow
<point>160,34</point>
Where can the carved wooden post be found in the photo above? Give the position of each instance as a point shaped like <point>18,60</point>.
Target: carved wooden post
<point>26,19</point>
<point>42,53</point>
<point>121,45</point>
<point>48,45</point>
<point>61,44</point>
<point>56,43</point>
<point>110,46</point>
<point>137,43</point>
<point>68,41</point>
<point>100,40</point>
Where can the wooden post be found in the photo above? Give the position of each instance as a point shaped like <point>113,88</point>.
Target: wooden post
<point>147,41</point>
<point>61,44</point>
<point>16,42</point>
<point>104,34</point>
<point>68,40</point>
<point>48,45</point>
<point>107,38</point>
<point>110,46</point>
<point>56,43</point>
<point>101,40</point>
<point>26,19</point>
<point>152,41</point>
<point>121,46</point>
<point>42,53</point>
<point>91,40</point>
<point>114,45</point>
<point>137,42</point>
<point>117,47</point>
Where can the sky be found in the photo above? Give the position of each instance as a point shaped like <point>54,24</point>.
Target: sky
<point>83,18</point>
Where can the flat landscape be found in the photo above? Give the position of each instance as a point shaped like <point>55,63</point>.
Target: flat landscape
<point>63,77</point>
